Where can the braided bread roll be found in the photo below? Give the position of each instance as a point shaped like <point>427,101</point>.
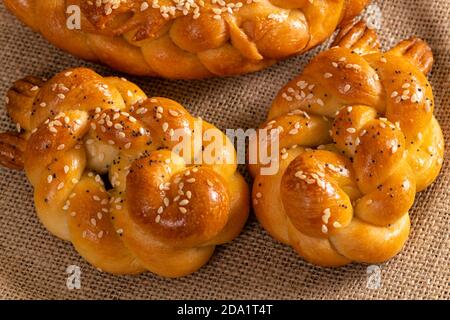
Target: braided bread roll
<point>161,212</point>
<point>358,139</point>
<point>203,38</point>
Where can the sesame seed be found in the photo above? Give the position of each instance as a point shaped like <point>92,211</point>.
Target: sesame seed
<point>324,229</point>
<point>326,215</point>
<point>49,178</point>
<point>337,225</point>
<point>351,130</point>
<point>182,209</point>
<point>60,147</point>
<point>66,169</point>
<point>174,113</point>
<point>60,186</point>
<point>327,75</point>
<point>144,6</point>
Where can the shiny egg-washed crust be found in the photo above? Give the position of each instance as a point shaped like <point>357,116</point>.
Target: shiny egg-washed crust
<point>186,39</point>
<point>160,213</point>
<point>358,139</point>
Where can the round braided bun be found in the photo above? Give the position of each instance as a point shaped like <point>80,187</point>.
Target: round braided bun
<point>157,210</point>
<point>358,139</point>
<point>203,38</point>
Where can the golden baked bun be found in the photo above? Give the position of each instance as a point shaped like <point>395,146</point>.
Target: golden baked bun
<point>358,139</point>
<point>157,211</point>
<point>186,39</point>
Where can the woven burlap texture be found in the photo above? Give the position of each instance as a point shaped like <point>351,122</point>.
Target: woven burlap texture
<point>254,266</point>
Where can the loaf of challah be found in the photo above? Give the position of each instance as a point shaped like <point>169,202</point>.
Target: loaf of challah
<point>357,140</point>
<point>107,176</point>
<point>185,39</point>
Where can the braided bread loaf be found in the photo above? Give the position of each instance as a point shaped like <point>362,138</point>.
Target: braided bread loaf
<point>160,212</point>
<point>358,139</point>
<point>202,38</point>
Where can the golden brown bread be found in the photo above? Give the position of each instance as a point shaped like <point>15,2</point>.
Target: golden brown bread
<point>202,38</point>
<point>358,139</point>
<point>161,213</point>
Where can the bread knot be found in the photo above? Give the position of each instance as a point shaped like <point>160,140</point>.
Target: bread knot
<point>358,139</point>
<point>108,175</point>
<point>204,38</point>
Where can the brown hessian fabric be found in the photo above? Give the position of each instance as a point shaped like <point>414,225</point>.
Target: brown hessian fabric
<point>254,266</point>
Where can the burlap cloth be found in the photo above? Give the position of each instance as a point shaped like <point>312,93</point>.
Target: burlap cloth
<point>33,263</point>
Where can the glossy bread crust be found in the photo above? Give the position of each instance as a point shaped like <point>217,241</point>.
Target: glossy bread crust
<point>202,38</point>
<point>358,139</point>
<point>161,212</point>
